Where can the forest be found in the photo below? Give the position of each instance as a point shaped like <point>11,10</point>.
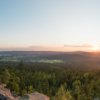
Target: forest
<point>60,81</point>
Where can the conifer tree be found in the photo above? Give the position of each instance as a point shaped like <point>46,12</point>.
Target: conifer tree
<point>13,85</point>
<point>62,94</point>
<point>22,86</point>
<point>5,76</point>
<point>76,93</point>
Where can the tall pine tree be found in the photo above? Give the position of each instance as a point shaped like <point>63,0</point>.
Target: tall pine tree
<point>21,68</point>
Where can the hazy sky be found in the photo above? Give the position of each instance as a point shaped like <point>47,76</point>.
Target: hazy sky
<point>57,25</point>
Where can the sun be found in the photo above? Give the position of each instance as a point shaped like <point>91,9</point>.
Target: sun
<point>96,48</point>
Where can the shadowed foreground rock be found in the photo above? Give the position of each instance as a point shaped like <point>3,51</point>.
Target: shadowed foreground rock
<point>96,99</point>
<point>33,96</point>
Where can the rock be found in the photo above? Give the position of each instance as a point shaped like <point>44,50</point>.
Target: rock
<point>2,97</point>
<point>14,94</point>
<point>5,94</point>
<point>96,99</point>
<point>34,96</point>
<point>3,85</point>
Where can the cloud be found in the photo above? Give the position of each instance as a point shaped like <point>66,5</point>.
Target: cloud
<point>31,48</point>
<point>22,48</point>
<point>35,47</point>
<point>50,48</point>
<point>84,45</point>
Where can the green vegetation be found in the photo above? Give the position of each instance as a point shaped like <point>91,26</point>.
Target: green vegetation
<point>47,61</point>
<point>59,81</point>
<point>27,58</point>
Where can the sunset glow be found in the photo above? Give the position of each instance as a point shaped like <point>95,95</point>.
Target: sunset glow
<point>96,48</point>
<point>49,25</point>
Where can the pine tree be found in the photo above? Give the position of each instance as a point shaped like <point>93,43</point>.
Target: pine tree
<point>76,93</point>
<point>13,85</point>
<point>62,94</point>
<point>5,76</point>
<point>22,86</point>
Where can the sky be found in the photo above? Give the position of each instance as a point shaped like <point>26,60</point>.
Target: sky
<point>49,25</point>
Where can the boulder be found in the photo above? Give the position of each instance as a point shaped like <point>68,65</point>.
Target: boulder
<point>2,97</point>
<point>96,99</point>
<point>5,94</point>
<point>14,94</point>
<point>33,96</point>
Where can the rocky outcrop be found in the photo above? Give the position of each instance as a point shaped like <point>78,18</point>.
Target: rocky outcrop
<point>5,94</point>
<point>96,99</point>
<point>14,94</point>
<point>34,96</point>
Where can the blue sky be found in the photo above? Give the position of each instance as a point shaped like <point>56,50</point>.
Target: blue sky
<point>57,25</point>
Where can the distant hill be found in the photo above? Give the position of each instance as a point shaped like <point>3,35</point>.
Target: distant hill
<point>73,57</point>
<point>30,52</point>
<point>65,56</point>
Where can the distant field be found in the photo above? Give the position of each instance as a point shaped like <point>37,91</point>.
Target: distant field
<point>47,61</point>
<point>38,61</point>
<point>26,58</point>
